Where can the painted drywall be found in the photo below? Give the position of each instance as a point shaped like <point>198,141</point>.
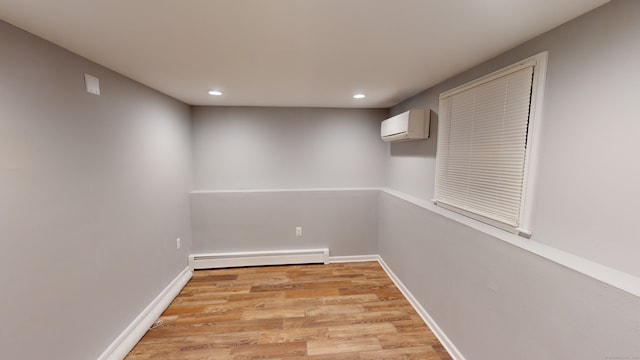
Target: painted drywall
<point>239,148</point>
<point>345,221</point>
<point>497,301</point>
<point>587,177</point>
<point>93,194</point>
<point>287,148</point>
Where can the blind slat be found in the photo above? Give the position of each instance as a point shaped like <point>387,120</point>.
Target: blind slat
<point>482,145</point>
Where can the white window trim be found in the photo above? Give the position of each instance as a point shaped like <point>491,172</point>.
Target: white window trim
<point>539,63</point>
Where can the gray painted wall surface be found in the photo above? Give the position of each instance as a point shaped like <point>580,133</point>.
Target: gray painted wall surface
<point>587,194</point>
<point>497,301</point>
<point>93,193</point>
<point>287,148</point>
<point>344,221</point>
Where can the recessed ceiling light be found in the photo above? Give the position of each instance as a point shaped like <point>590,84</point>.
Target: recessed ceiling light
<point>359,96</point>
<point>215,93</point>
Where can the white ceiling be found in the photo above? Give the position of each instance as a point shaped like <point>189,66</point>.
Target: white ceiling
<point>315,53</point>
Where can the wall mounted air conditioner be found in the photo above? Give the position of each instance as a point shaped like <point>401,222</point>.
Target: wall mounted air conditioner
<point>410,125</point>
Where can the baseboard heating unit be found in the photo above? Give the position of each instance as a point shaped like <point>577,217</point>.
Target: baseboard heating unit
<point>258,258</point>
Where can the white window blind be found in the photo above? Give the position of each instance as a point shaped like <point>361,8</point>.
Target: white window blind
<point>482,147</point>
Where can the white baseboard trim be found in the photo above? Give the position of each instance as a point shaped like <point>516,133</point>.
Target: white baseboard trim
<point>437,331</point>
<point>353,258</point>
<point>121,346</point>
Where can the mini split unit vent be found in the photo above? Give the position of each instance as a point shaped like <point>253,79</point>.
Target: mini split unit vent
<point>410,125</point>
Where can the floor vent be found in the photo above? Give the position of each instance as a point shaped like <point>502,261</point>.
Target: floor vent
<point>258,258</point>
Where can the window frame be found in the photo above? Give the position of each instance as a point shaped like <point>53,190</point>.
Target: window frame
<point>539,64</point>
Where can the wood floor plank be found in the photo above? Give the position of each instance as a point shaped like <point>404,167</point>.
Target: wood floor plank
<point>303,334</point>
<point>279,313</point>
<point>400,340</point>
<point>300,293</point>
<point>343,311</point>
<point>334,309</point>
<point>253,296</point>
<point>420,352</point>
<point>342,345</point>
<point>341,319</point>
<point>350,299</point>
<point>277,303</point>
<point>207,317</point>
<point>265,351</point>
<point>355,330</point>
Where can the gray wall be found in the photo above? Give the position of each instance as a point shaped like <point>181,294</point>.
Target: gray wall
<point>344,221</point>
<point>588,176</point>
<point>93,193</point>
<point>287,148</point>
<point>495,300</point>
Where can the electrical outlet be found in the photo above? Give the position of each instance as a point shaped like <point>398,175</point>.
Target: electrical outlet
<point>178,243</point>
<point>299,231</point>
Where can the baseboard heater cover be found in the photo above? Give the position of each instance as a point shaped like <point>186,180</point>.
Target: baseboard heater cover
<point>258,258</point>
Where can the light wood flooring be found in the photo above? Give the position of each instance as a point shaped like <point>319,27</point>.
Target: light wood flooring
<point>342,311</point>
